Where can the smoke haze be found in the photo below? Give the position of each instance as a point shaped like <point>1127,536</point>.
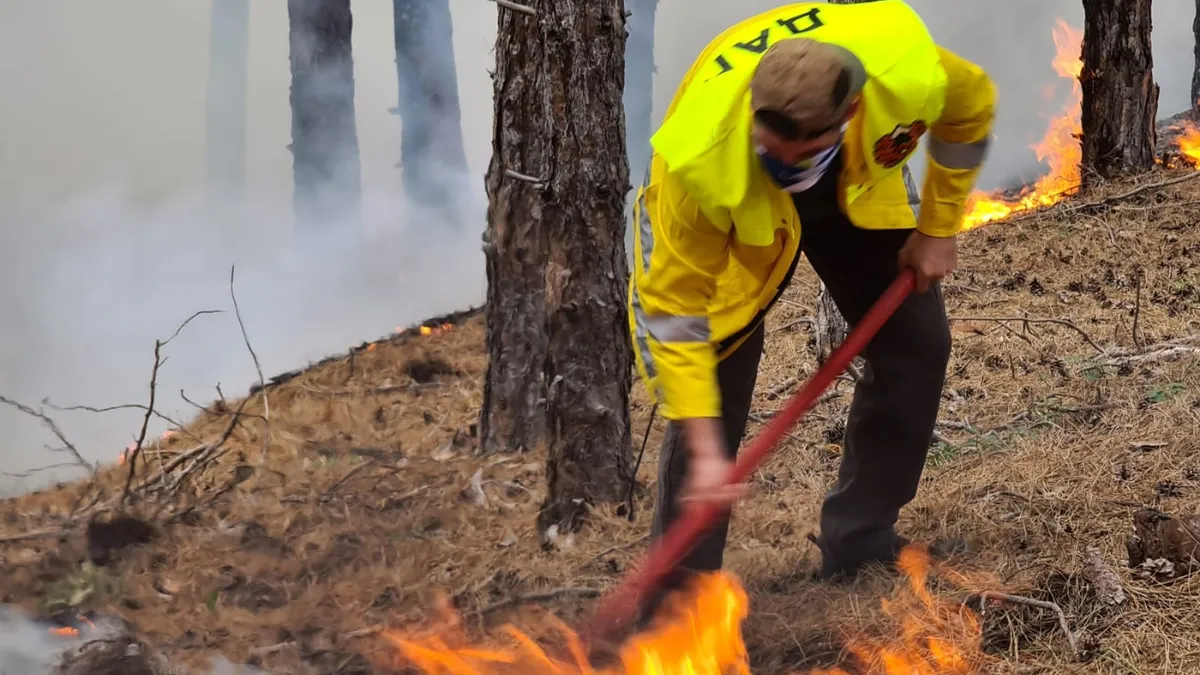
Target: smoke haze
<point>107,241</point>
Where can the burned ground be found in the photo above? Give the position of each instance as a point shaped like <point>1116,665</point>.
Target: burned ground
<point>1071,405</point>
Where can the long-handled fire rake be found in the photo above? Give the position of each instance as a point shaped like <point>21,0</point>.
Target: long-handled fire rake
<point>620,604</point>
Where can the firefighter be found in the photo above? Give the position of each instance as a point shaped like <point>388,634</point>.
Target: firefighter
<point>789,136</point>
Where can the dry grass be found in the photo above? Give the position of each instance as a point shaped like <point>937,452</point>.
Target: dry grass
<point>362,506</point>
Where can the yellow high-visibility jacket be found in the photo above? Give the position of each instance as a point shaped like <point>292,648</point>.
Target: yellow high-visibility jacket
<point>715,237</point>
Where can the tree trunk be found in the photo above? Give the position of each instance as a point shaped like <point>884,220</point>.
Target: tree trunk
<point>829,326</point>
<point>324,134</point>
<point>225,136</point>
<point>559,352</point>
<point>1196,54</point>
<point>431,147</point>
<point>639,84</point>
<point>1120,98</point>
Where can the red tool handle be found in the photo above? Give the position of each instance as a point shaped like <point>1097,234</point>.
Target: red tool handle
<point>616,609</point>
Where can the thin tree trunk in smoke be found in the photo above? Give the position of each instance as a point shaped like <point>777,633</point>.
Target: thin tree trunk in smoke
<point>325,163</point>
<point>226,105</point>
<point>1120,97</point>
<point>559,351</point>
<point>639,84</point>
<point>1196,54</point>
<point>432,157</point>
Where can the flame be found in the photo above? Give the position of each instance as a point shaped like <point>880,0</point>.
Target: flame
<point>935,637</point>
<point>1189,144</point>
<point>65,631</point>
<point>436,330</point>
<point>1059,147</point>
<point>702,636</point>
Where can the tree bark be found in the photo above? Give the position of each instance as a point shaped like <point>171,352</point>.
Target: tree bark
<point>1120,97</point>
<point>1196,54</point>
<point>559,352</point>
<point>324,147</point>
<point>829,326</point>
<point>639,84</point>
<point>432,157</point>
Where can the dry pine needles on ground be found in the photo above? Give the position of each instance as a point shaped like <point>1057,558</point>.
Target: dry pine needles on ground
<point>1071,404</point>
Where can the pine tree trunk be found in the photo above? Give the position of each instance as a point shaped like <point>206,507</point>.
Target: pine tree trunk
<point>1120,98</point>
<point>1196,54</point>
<point>225,135</point>
<point>324,145</point>
<point>431,147</point>
<point>559,352</point>
<point>639,84</point>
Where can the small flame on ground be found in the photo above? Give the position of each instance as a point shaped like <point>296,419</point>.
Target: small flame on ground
<point>436,330</point>
<point>70,631</point>
<point>1189,144</point>
<point>702,636</point>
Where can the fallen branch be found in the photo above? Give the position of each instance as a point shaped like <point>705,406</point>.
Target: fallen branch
<point>1164,354</point>
<point>1041,604</point>
<point>1135,191</point>
<point>262,383</point>
<point>537,597</point>
<point>29,536</point>
<point>1027,321</point>
<point>618,547</point>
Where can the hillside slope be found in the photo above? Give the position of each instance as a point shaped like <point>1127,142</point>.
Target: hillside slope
<point>1071,404</point>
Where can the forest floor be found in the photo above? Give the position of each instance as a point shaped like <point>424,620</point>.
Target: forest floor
<point>1072,403</point>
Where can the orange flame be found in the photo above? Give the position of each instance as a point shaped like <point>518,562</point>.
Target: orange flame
<point>702,636</point>
<point>1059,147</point>
<point>65,631</point>
<point>936,637</point>
<point>1189,144</point>
<point>435,330</point>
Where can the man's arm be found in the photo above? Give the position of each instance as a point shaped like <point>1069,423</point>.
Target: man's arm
<point>677,260</point>
<point>957,146</point>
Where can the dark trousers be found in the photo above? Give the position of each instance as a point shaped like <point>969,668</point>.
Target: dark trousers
<point>892,415</point>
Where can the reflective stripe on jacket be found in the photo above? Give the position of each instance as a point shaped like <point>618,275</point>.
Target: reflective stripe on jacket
<point>714,237</point>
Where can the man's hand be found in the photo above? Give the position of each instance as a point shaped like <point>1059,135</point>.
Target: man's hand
<point>931,258</point>
<point>708,466</point>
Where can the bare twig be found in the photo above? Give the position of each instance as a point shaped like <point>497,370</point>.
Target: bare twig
<point>124,406</point>
<point>524,9</point>
<point>363,632</point>
<point>29,536</point>
<point>1136,191</point>
<point>133,455</point>
<point>1027,321</point>
<point>1137,308</point>
<point>262,382</point>
<point>537,597</point>
<point>517,175</point>
<point>206,410</point>
<point>48,467</point>
<point>1041,604</point>
<point>53,427</point>
<point>618,547</point>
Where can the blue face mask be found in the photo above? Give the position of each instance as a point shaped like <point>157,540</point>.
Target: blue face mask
<point>802,175</point>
